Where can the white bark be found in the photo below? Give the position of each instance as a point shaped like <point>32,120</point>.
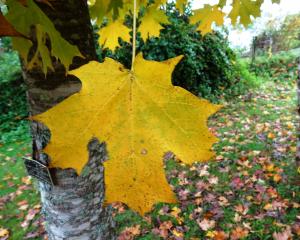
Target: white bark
<point>73,208</point>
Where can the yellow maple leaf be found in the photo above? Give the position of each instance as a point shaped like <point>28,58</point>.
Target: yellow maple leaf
<point>180,4</point>
<point>206,16</point>
<point>150,23</point>
<point>109,35</point>
<point>244,9</point>
<point>160,2</point>
<point>140,115</point>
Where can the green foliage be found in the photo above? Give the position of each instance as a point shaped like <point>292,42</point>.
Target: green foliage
<point>12,97</point>
<point>5,44</point>
<point>208,64</point>
<point>245,81</point>
<point>279,67</point>
<point>9,62</point>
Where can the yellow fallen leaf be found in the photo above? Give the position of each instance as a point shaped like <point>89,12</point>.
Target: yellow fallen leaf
<point>141,116</point>
<point>27,180</point>
<point>269,167</point>
<point>277,177</point>
<point>4,232</point>
<point>177,233</point>
<point>175,212</point>
<point>271,135</point>
<point>268,206</point>
<point>290,125</point>
<point>211,234</point>
<point>293,149</point>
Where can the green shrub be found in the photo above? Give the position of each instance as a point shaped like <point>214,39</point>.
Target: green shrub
<point>9,66</point>
<point>245,80</point>
<point>13,106</point>
<point>279,67</point>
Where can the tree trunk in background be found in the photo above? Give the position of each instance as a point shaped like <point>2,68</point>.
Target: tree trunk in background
<point>73,208</point>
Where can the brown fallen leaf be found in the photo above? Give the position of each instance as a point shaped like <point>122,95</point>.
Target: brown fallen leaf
<point>239,233</point>
<point>220,235</point>
<point>129,233</point>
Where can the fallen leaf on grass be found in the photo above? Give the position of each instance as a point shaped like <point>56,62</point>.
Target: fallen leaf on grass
<point>175,212</point>
<point>296,229</point>
<point>239,233</point>
<point>26,180</point>
<point>4,233</point>
<point>242,209</point>
<point>164,228</point>
<point>129,233</point>
<point>206,224</point>
<point>284,235</point>
<point>220,235</point>
<point>177,233</point>
<point>237,183</point>
<point>213,180</point>
<point>28,218</point>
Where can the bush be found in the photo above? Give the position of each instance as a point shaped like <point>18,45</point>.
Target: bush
<point>208,64</point>
<point>9,66</point>
<point>245,81</point>
<point>12,93</point>
<point>279,67</point>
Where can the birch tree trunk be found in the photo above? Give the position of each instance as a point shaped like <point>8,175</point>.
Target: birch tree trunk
<point>73,208</point>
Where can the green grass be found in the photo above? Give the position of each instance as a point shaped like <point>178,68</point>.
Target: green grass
<point>13,184</point>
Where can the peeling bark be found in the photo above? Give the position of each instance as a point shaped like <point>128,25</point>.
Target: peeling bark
<point>73,208</point>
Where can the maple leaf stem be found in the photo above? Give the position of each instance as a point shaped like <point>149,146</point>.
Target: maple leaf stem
<point>133,35</point>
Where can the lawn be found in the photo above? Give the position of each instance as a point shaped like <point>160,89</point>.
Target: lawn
<point>250,190</point>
